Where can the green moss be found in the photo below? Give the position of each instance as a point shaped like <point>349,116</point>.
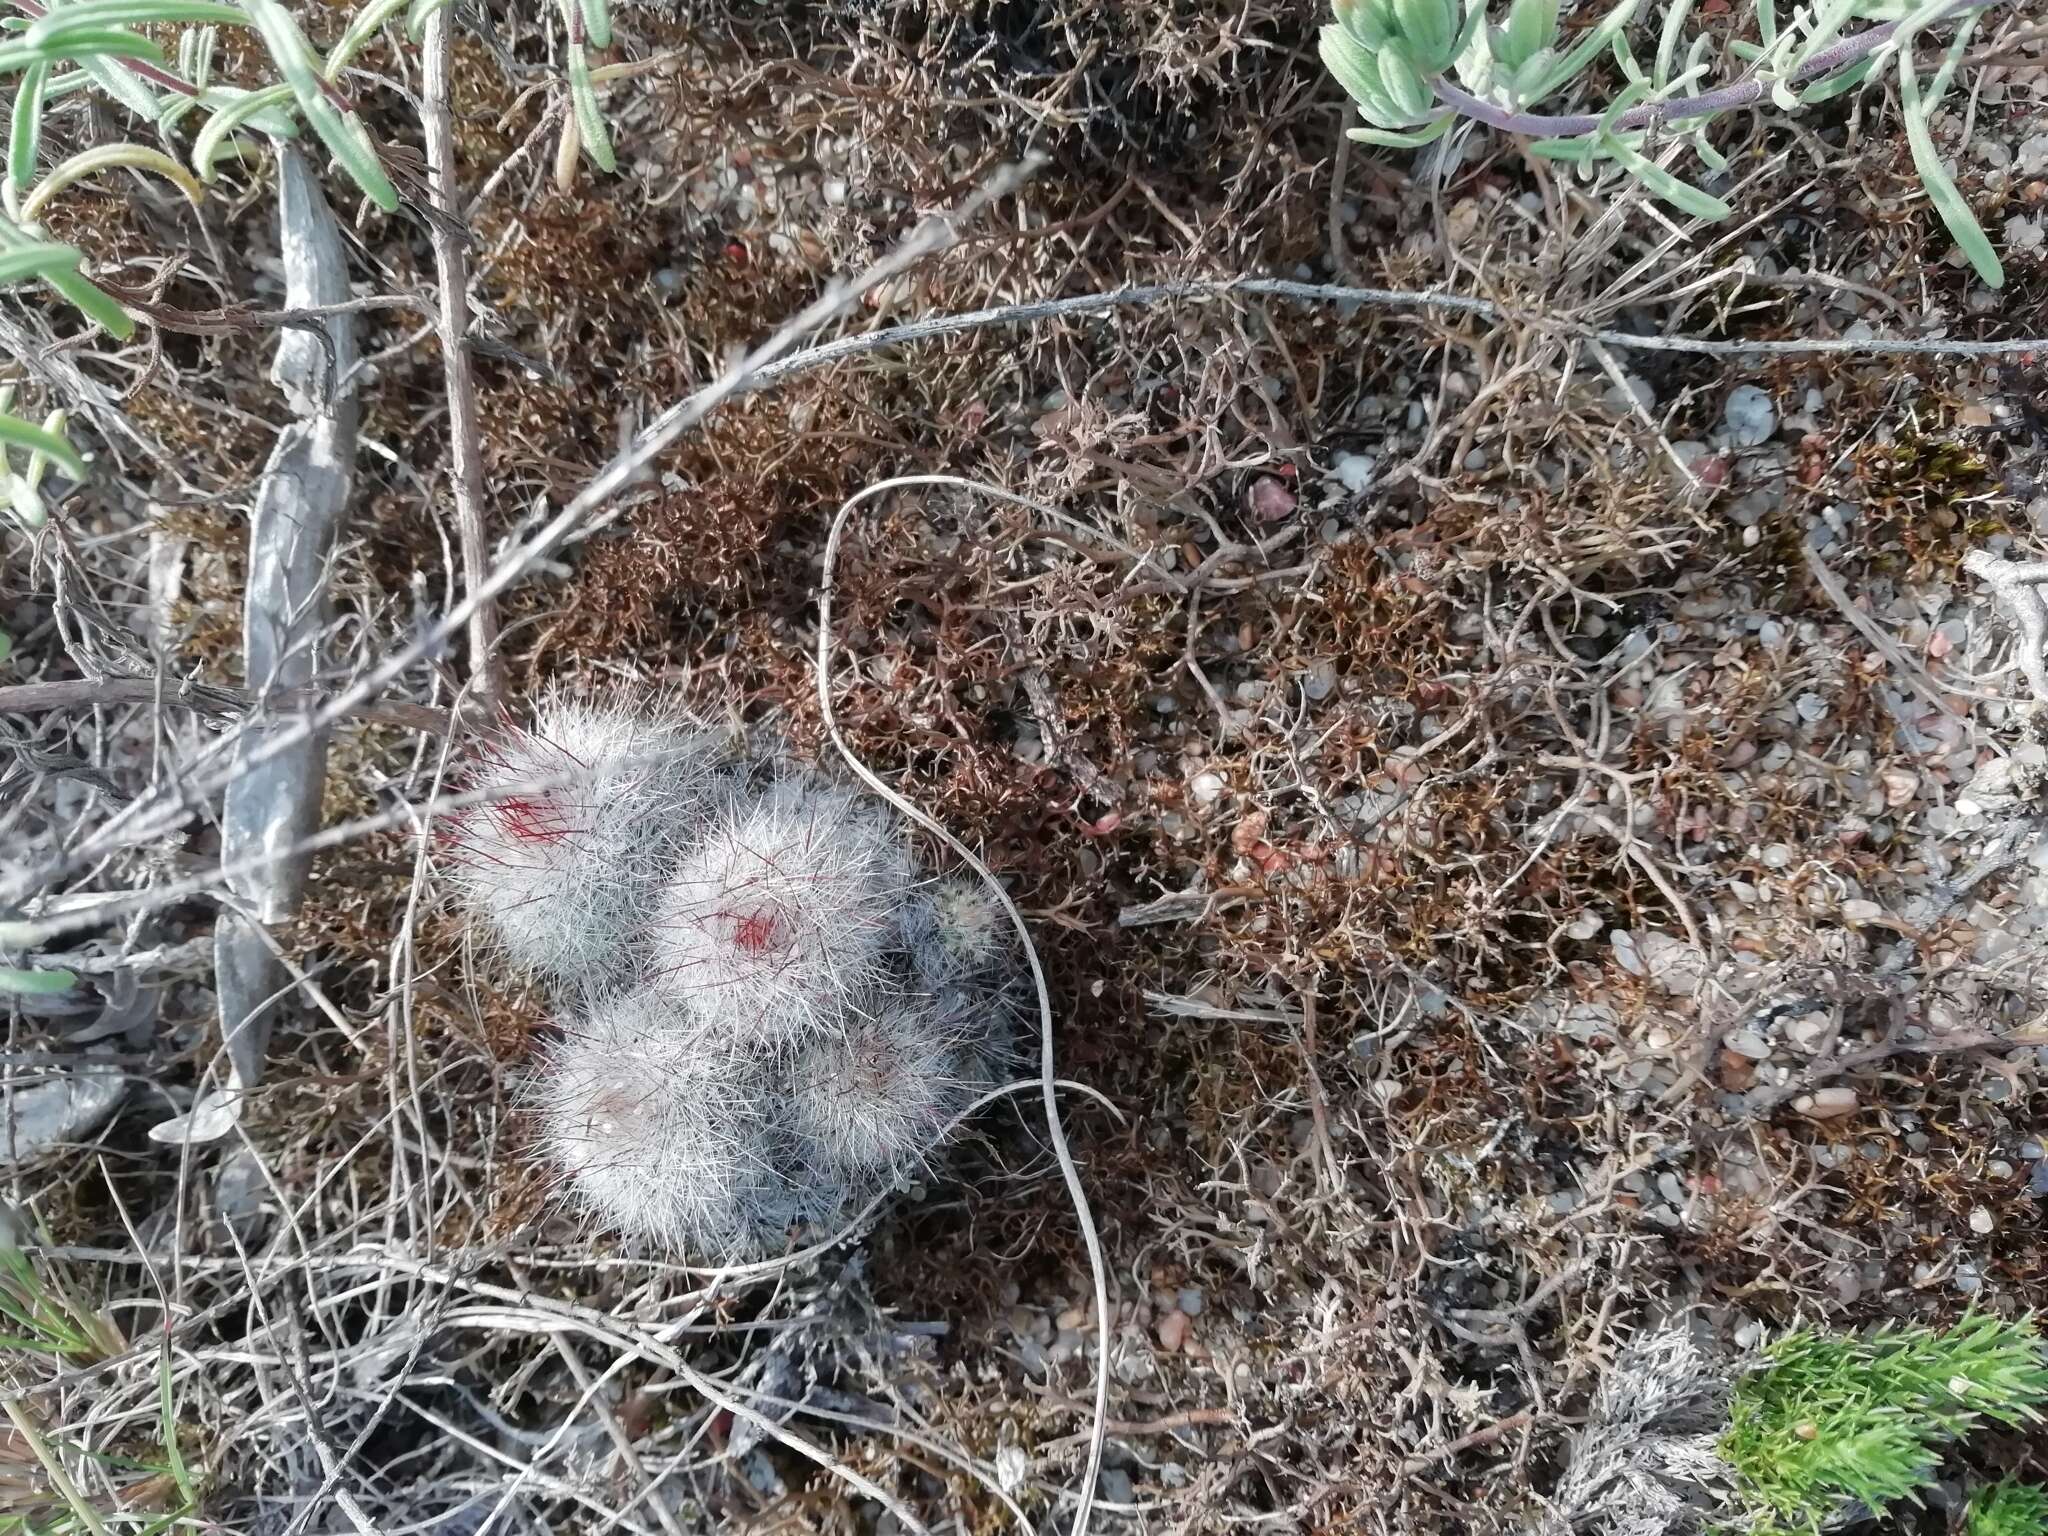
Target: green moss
<point>1839,1419</point>
<point>2010,1508</point>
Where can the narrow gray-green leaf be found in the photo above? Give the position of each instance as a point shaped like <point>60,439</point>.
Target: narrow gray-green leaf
<point>275,119</point>
<point>39,463</point>
<point>36,983</point>
<point>597,23</point>
<point>167,1425</point>
<point>1625,59</point>
<point>1830,86</point>
<point>94,303</point>
<point>64,84</point>
<point>16,433</point>
<point>105,44</point>
<point>29,261</point>
<point>297,62</point>
<point>345,135</point>
<point>214,133</point>
<point>195,55</point>
<point>1579,151</point>
<point>1667,40</point>
<point>97,15</point>
<point>25,125</point>
<point>1680,194</point>
<point>1394,140</point>
<point>1822,32</point>
<point>1573,61</point>
<point>589,120</point>
<point>1473,29</point>
<point>1356,70</point>
<point>123,85</point>
<point>1634,92</point>
<point>361,28</point>
<point>1941,188</point>
<point>1958,45</point>
<point>24,500</point>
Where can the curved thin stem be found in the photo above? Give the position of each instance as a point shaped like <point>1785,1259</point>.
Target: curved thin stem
<point>1070,1173</point>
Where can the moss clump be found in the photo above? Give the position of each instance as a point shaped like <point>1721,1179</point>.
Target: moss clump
<point>1837,1421</point>
<point>2010,1508</point>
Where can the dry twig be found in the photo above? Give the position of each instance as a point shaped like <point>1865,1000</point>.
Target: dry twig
<point>451,267</point>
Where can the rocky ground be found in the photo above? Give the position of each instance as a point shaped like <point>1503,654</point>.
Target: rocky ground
<point>1531,838</point>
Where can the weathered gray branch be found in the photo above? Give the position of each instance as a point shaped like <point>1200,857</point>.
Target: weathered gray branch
<point>272,803</point>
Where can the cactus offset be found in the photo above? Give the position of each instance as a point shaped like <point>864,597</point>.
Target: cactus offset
<point>559,860</point>
<point>782,912</point>
<point>871,1100</point>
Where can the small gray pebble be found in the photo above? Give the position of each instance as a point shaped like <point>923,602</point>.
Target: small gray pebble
<point>1751,415</point>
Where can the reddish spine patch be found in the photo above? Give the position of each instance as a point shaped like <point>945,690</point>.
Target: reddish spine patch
<point>755,932</point>
<point>531,820</point>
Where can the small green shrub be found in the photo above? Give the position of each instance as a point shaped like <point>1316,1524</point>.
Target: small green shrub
<point>1832,1421</point>
<point>2010,1508</point>
<point>1416,68</point>
<point>62,46</point>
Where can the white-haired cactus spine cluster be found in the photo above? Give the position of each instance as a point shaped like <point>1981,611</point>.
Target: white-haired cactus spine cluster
<point>768,1012</point>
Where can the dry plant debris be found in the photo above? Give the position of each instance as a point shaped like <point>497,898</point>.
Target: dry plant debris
<point>1530,838</point>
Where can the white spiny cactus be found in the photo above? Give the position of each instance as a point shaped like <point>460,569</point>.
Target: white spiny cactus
<point>582,810</point>
<point>784,911</point>
<point>771,1013</point>
<point>652,1131</point>
<point>871,1100</point>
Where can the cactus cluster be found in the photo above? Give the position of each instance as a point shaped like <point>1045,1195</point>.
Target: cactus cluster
<point>768,1012</point>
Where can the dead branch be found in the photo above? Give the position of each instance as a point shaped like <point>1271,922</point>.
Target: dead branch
<point>203,699</point>
<point>451,267</point>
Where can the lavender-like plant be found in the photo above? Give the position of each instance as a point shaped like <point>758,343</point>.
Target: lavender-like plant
<point>1417,67</point>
